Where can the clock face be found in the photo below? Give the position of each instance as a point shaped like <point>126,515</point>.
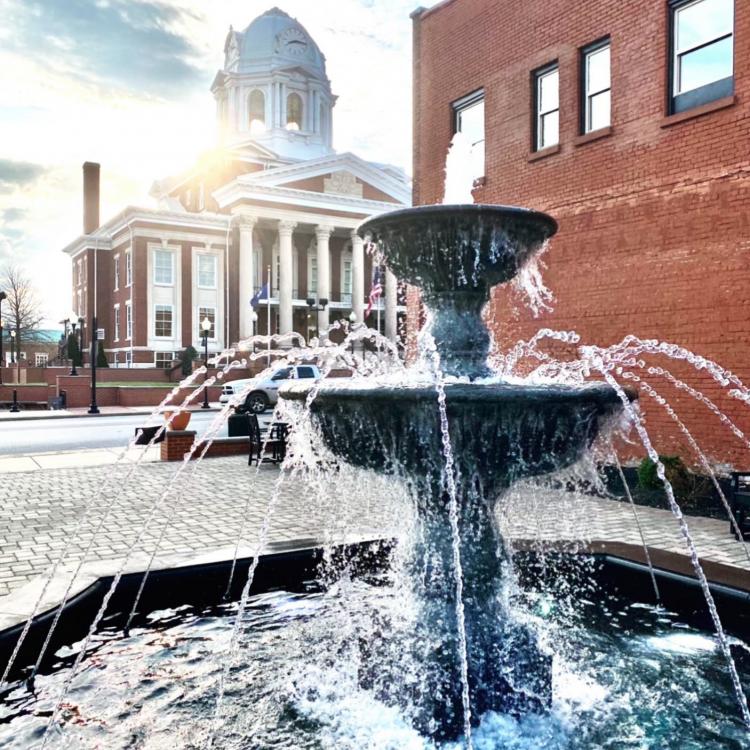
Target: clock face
<point>294,42</point>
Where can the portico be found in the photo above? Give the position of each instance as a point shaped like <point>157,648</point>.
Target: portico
<point>306,257</point>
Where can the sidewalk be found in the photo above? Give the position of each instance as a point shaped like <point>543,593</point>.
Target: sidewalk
<point>73,459</point>
<point>105,411</point>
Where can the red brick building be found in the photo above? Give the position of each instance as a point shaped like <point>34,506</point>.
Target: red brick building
<point>272,205</point>
<point>630,124</point>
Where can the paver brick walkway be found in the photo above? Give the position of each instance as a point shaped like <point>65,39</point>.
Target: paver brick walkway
<point>206,509</point>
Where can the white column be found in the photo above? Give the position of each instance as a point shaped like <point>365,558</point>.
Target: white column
<point>286,269</point>
<point>391,300</point>
<point>358,276</point>
<point>323,236</point>
<point>247,275</point>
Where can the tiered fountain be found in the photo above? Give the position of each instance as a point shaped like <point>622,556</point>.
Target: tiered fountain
<point>461,437</point>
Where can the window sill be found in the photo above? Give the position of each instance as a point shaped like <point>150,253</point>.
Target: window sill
<point>594,135</point>
<point>544,153</point>
<point>704,109</point>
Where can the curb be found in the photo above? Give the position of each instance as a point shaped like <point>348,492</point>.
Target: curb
<point>46,415</point>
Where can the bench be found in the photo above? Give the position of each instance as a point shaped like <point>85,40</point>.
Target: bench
<point>741,503</point>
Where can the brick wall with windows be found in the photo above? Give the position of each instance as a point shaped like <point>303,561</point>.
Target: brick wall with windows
<point>653,201</point>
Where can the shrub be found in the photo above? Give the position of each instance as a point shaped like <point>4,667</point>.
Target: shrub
<point>74,351</point>
<point>186,360</point>
<point>101,356</point>
<point>675,471</point>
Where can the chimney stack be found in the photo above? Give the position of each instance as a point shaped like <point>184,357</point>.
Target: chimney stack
<point>90,197</point>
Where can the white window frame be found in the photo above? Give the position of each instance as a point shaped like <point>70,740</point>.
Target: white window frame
<point>200,315</point>
<point>540,114</point>
<point>588,93</point>
<point>466,103</point>
<point>117,272</point>
<point>170,307</point>
<point>41,357</point>
<point>128,358</point>
<point>215,261</point>
<point>154,254</point>
<point>128,321</point>
<point>128,268</point>
<point>116,326</point>
<point>161,354</point>
<point>312,265</point>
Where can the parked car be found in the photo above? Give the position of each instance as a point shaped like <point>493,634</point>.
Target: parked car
<point>264,392</point>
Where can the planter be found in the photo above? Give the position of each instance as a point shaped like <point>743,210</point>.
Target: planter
<point>180,422</point>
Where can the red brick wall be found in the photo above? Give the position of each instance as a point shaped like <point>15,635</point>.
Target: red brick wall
<point>654,225</point>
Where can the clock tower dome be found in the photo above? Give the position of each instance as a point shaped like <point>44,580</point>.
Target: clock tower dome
<point>273,89</point>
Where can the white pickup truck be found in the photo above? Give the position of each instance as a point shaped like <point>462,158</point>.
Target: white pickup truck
<point>264,392</point>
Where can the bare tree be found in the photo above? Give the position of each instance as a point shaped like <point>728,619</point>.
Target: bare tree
<point>22,311</point>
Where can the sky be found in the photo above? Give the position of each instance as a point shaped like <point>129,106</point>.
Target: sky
<point>126,83</point>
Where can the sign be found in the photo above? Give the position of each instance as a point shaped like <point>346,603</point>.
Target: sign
<point>100,334</point>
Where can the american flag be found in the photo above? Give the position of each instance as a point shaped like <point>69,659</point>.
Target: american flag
<point>376,290</point>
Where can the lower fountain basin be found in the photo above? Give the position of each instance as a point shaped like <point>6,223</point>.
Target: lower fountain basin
<point>500,431</point>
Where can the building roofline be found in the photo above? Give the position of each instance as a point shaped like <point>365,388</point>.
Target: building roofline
<point>102,237</point>
<point>420,13</point>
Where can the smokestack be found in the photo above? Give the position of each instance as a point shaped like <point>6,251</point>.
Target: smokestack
<point>90,197</point>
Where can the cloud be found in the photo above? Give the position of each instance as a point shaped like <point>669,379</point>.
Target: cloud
<point>132,44</point>
<point>12,215</point>
<point>15,174</point>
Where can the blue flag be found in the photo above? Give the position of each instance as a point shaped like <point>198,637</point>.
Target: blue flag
<point>261,294</point>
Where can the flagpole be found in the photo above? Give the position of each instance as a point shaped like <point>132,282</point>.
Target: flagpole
<point>268,310</point>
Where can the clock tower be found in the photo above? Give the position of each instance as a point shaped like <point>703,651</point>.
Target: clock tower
<point>273,90</point>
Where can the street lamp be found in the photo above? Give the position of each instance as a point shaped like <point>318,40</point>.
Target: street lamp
<point>73,325</point>
<point>205,328</point>
<point>3,296</point>
<point>254,321</point>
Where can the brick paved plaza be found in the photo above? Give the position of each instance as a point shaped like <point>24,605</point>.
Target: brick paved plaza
<point>204,512</point>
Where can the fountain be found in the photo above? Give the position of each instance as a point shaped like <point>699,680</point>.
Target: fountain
<point>460,437</point>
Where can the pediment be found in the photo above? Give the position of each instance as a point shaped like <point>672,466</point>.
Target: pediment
<point>338,174</point>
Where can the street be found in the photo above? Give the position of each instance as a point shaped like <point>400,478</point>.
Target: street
<point>72,433</point>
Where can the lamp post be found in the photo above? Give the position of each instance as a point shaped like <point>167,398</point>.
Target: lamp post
<point>205,328</point>
<point>82,344</point>
<point>254,320</point>
<point>93,406</point>
<point>3,296</point>
<point>73,325</point>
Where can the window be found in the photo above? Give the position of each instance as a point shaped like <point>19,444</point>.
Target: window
<point>117,272</point>
<point>294,112</point>
<point>207,271</point>
<point>163,267</point>
<point>283,374</point>
<point>80,272</point>
<point>346,279</point>
<point>40,359</point>
<point>257,112</point>
<point>163,360</point>
<point>304,372</point>
<point>128,358</point>
<point>210,313</point>
<point>128,321</point>
<point>547,107</point>
<point>163,321</point>
<point>128,269</point>
<point>595,76</point>
<point>116,319</point>
<point>702,52</point>
<point>312,279</point>
<point>468,118</point>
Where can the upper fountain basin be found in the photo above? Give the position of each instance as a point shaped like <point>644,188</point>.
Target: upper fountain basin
<point>445,248</point>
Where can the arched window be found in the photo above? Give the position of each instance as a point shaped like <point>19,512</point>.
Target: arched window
<point>294,112</point>
<point>257,111</point>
